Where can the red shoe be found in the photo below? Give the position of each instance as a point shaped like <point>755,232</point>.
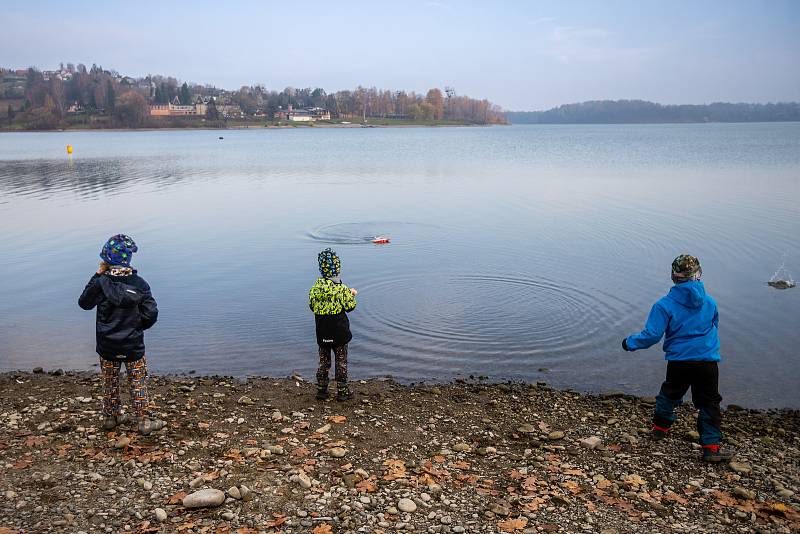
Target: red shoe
<point>659,432</point>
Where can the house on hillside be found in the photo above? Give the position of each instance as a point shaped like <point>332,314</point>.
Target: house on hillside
<point>303,115</point>
<point>176,109</point>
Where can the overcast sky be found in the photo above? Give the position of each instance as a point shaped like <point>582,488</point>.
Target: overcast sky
<point>522,55</point>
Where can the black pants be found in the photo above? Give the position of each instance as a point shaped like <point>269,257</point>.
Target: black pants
<point>325,366</point>
<point>703,378</point>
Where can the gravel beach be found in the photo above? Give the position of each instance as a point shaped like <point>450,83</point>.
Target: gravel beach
<point>261,455</point>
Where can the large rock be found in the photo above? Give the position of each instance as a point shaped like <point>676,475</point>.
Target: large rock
<point>591,442</point>
<point>206,498</point>
<point>407,505</point>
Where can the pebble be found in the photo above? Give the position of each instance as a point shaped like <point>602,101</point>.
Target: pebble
<point>244,399</point>
<point>276,449</point>
<point>499,509</point>
<point>247,493</point>
<point>744,493</point>
<point>197,482</point>
<point>555,435</point>
<point>122,442</point>
<point>407,505</point>
<point>337,452</point>
<point>526,429</point>
<point>205,498</point>
<point>785,493</point>
<point>161,515</point>
<point>302,479</point>
<point>740,467</point>
<point>323,429</point>
<point>234,492</point>
<point>228,516</point>
<point>461,447</point>
<point>591,442</point>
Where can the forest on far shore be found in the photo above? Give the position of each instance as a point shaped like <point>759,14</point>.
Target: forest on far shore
<point>642,111</point>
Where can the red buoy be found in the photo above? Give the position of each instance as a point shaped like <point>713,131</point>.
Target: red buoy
<point>380,240</point>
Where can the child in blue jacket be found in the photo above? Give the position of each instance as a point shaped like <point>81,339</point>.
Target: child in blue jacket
<point>689,319</point>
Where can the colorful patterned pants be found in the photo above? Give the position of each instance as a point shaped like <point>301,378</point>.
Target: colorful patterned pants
<point>325,366</point>
<point>137,383</point>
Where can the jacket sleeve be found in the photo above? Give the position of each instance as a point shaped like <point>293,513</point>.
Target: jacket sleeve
<point>148,310</point>
<point>715,320</point>
<point>347,298</point>
<point>653,331</point>
<point>92,293</point>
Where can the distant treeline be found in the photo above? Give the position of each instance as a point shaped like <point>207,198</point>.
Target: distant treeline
<point>77,95</point>
<point>641,111</point>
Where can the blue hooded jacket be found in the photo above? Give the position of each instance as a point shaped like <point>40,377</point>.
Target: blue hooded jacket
<point>690,320</point>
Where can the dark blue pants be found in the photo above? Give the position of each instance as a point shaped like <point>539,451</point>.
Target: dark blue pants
<point>703,378</point>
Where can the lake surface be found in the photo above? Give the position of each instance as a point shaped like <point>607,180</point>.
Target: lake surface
<point>521,252</point>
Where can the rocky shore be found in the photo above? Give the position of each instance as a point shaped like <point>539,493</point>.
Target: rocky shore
<point>261,455</point>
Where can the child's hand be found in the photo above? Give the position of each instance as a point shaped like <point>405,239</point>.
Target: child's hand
<point>353,291</point>
<point>102,268</point>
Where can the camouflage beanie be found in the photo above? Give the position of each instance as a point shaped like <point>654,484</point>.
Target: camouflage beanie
<point>685,268</point>
<point>329,264</point>
<point>118,250</point>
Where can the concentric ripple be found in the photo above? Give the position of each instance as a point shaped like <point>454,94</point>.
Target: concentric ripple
<point>474,316</point>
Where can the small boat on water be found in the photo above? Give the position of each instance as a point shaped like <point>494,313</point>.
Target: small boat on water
<point>380,240</point>
<point>782,284</point>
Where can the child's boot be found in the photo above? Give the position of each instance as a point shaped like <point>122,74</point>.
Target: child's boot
<point>343,392</point>
<point>715,454</point>
<point>112,421</point>
<point>322,392</point>
<point>658,432</point>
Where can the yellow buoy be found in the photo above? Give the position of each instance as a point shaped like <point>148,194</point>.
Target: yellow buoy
<point>69,149</point>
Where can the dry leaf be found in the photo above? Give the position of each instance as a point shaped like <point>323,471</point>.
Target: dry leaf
<point>367,485</point>
<point>278,521</point>
<point>177,498</point>
<point>511,525</point>
<point>395,469</point>
<point>338,419</point>
<point>301,452</point>
<point>324,528</point>
<point>603,484</point>
<point>22,463</point>
<point>36,441</point>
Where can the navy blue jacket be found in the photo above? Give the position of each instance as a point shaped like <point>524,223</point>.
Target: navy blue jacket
<point>690,321</point>
<point>125,309</point>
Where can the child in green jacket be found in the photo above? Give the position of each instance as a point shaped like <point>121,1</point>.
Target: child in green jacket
<point>330,300</point>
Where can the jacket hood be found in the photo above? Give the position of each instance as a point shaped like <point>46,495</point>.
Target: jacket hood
<point>119,293</point>
<point>691,294</point>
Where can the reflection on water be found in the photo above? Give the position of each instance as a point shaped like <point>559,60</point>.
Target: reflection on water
<point>513,249</point>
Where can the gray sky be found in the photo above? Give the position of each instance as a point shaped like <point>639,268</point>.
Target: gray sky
<point>522,55</point>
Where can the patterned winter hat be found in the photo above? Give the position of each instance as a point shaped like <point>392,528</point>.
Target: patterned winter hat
<point>329,264</point>
<point>118,250</point>
<point>686,267</point>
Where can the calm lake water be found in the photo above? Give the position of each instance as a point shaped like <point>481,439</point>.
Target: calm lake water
<point>522,252</point>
